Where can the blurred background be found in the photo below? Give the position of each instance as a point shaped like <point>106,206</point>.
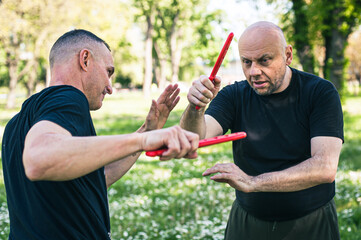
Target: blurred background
<point>157,42</point>
<point>160,41</point>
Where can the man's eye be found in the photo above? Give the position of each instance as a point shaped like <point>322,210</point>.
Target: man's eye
<point>247,62</point>
<point>265,60</point>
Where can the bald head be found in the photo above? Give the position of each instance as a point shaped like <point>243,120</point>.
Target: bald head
<point>261,33</point>
<point>265,58</point>
<point>71,43</point>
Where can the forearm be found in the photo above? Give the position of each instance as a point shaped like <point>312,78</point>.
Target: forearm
<point>114,171</point>
<point>59,157</point>
<point>312,172</point>
<point>193,120</point>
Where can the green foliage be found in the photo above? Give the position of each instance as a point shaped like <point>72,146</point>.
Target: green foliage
<point>321,28</point>
<point>123,80</point>
<point>171,199</point>
<point>4,74</point>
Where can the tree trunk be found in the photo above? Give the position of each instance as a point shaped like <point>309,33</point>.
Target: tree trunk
<point>301,36</point>
<point>337,59</point>
<point>148,66</point>
<point>160,75</point>
<point>31,83</point>
<point>12,61</point>
<point>176,46</point>
<point>335,42</point>
<point>176,57</point>
<point>13,72</point>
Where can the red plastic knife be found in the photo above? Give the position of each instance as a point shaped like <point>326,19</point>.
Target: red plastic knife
<point>205,142</point>
<point>220,58</point>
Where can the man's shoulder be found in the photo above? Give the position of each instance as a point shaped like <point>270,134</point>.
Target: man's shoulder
<point>237,86</point>
<point>61,90</point>
<point>311,81</point>
<point>309,77</point>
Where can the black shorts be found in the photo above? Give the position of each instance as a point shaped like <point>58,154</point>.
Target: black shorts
<point>318,225</point>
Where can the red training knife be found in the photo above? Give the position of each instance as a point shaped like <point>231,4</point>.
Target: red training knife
<point>220,59</point>
<point>205,142</point>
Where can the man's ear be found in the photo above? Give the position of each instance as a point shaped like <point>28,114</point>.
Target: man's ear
<point>84,59</point>
<point>289,55</point>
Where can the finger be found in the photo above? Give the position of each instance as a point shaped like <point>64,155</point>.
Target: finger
<point>205,87</point>
<point>173,96</point>
<point>224,177</point>
<point>195,101</point>
<point>164,95</point>
<point>175,102</point>
<point>192,155</point>
<point>172,143</point>
<point>217,81</point>
<point>218,168</point>
<point>172,92</point>
<point>185,144</point>
<point>201,94</point>
<point>193,138</point>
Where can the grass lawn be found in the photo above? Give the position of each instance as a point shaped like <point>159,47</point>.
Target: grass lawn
<point>171,200</point>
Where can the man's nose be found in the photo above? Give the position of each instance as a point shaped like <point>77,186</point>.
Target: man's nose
<point>109,89</point>
<point>255,70</point>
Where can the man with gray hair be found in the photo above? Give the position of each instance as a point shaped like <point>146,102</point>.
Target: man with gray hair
<point>56,169</point>
<point>284,171</point>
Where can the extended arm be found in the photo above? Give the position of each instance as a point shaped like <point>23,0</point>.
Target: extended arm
<point>51,153</point>
<point>320,168</point>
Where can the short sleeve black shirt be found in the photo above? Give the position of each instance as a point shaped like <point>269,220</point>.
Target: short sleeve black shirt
<point>279,129</point>
<point>75,209</point>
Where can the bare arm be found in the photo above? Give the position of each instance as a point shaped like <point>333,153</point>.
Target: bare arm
<point>51,153</point>
<point>156,118</point>
<point>320,168</point>
<point>200,94</point>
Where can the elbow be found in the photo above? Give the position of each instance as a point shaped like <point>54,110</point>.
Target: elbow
<point>328,171</point>
<point>33,170</point>
<point>329,178</point>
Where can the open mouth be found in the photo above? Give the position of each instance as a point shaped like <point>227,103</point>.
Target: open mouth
<point>259,84</point>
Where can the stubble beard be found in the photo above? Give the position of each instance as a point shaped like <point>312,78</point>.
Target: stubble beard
<point>272,87</point>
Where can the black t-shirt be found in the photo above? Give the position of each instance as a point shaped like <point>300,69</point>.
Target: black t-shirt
<point>279,129</point>
<point>75,209</point>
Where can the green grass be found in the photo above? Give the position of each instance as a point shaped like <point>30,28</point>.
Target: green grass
<point>171,200</point>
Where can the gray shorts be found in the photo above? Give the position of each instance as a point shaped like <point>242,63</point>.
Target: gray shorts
<point>319,225</point>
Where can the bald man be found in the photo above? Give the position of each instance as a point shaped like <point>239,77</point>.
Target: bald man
<point>56,169</point>
<point>284,171</point>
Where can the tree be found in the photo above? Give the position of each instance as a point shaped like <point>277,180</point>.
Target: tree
<point>339,20</point>
<point>147,10</point>
<point>301,35</point>
<point>187,24</point>
<point>353,51</point>
<point>326,24</point>
<point>29,28</point>
<point>13,34</point>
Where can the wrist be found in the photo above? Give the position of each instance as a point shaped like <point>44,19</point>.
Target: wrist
<point>140,141</point>
<point>142,129</point>
<point>254,184</point>
<point>197,109</point>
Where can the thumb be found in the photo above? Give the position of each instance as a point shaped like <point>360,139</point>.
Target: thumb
<point>217,81</point>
